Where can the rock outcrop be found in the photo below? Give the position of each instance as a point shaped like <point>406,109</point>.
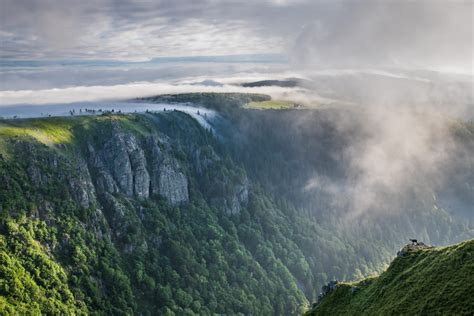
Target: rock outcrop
<point>80,184</point>
<point>168,179</point>
<point>412,247</point>
<point>120,165</point>
<point>239,197</point>
<point>171,183</point>
<point>115,157</point>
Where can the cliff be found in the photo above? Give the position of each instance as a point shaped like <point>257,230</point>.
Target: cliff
<point>153,213</point>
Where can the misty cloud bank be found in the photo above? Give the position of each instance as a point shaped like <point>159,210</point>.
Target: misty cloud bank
<point>422,34</point>
<point>373,57</point>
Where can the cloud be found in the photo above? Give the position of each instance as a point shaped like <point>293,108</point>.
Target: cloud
<point>54,75</point>
<point>426,34</point>
<point>135,30</point>
<point>134,90</point>
<point>408,34</point>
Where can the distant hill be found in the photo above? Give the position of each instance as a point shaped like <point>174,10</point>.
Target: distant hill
<point>425,281</point>
<point>287,83</point>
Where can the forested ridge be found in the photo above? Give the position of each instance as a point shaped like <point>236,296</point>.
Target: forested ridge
<point>147,213</point>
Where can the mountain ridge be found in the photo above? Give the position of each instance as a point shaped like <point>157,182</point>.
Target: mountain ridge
<point>135,213</point>
<point>420,281</point>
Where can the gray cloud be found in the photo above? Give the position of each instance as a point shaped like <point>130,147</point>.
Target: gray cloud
<point>137,29</point>
<point>409,34</point>
<point>327,33</point>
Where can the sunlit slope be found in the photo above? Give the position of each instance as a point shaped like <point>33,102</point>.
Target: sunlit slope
<point>437,281</point>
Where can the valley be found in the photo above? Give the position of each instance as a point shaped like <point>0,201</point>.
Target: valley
<point>133,213</point>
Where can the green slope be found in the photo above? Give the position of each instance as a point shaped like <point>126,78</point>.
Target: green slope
<point>78,242</point>
<point>436,281</point>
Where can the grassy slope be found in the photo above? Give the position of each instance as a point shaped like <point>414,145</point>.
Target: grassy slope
<point>271,104</point>
<point>424,282</point>
<point>54,131</point>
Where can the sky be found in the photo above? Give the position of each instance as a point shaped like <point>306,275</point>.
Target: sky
<point>336,33</point>
<point>64,47</point>
<point>408,64</point>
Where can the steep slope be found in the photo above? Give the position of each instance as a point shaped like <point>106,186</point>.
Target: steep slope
<point>431,281</point>
<point>131,214</point>
<point>309,160</point>
<point>146,213</point>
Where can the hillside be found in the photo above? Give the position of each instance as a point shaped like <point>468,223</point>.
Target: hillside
<point>136,213</point>
<point>146,212</point>
<point>432,281</point>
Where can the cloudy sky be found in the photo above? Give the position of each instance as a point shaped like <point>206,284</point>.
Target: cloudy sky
<point>418,33</point>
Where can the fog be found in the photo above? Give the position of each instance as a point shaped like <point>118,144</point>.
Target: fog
<point>405,68</point>
<point>404,151</point>
<point>419,85</point>
<point>436,35</point>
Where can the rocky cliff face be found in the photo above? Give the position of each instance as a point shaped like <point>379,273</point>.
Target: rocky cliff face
<point>115,162</point>
<point>136,208</point>
<point>168,179</point>
<point>120,165</point>
<point>80,183</point>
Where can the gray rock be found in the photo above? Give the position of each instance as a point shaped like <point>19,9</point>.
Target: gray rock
<point>412,248</point>
<point>80,184</point>
<point>116,214</point>
<point>172,183</point>
<point>239,198</point>
<point>121,165</point>
<point>141,178</point>
<point>105,183</point>
<point>115,156</point>
<point>168,179</point>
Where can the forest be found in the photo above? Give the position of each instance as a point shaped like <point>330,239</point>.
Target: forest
<point>151,212</point>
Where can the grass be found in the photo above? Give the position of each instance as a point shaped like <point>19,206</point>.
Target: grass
<point>437,281</point>
<point>48,131</point>
<point>270,105</point>
<point>51,131</point>
<point>54,131</point>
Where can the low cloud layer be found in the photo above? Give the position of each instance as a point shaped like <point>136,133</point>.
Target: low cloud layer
<point>133,90</point>
<point>377,48</point>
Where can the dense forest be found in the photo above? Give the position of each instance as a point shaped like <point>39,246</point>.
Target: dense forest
<point>146,213</point>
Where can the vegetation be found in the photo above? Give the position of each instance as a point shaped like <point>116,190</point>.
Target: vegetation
<point>198,259</point>
<point>222,102</point>
<point>61,256</point>
<point>435,281</point>
<point>271,104</point>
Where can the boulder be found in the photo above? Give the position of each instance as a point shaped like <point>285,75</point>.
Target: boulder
<point>412,247</point>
